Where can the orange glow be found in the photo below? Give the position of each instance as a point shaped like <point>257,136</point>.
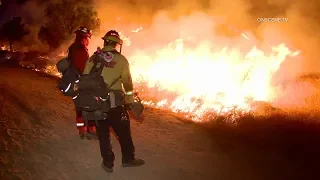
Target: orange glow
<point>197,73</point>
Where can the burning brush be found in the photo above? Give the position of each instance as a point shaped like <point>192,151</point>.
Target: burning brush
<point>202,79</point>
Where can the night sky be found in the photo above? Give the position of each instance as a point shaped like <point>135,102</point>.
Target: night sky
<point>10,8</point>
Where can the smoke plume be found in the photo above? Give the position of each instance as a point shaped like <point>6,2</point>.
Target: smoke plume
<point>164,19</point>
<point>33,14</point>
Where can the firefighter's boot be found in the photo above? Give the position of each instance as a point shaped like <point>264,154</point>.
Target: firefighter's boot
<point>92,133</point>
<point>134,163</point>
<point>106,168</point>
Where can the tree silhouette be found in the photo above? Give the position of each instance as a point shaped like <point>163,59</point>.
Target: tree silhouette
<point>13,30</point>
<point>64,17</point>
<point>49,37</point>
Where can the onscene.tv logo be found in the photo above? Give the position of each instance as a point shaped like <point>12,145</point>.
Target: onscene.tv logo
<point>272,19</point>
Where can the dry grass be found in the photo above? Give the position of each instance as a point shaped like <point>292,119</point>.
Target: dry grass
<point>276,145</point>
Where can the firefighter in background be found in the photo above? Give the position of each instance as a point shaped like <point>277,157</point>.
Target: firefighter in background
<point>117,73</point>
<point>78,55</point>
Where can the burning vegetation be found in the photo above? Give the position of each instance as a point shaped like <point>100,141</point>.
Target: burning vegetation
<point>205,81</point>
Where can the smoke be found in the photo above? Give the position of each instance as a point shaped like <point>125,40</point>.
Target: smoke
<point>164,19</point>
<point>33,16</point>
<point>301,32</point>
<point>210,23</point>
<point>34,13</point>
<point>217,24</point>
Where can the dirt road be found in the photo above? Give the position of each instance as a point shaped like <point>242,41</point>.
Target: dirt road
<point>39,140</point>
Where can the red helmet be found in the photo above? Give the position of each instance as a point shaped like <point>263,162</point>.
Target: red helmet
<point>84,31</point>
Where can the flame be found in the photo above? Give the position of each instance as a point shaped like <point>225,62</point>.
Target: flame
<point>62,54</point>
<point>137,30</point>
<point>198,77</point>
<point>206,79</point>
<point>4,47</point>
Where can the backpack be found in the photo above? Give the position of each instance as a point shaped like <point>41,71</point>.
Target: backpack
<point>89,92</point>
<point>69,73</point>
<point>94,97</point>
<point>92,93</point>
<point>69,77</point>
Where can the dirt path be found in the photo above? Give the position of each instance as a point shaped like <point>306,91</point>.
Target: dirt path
<point>38,139</point>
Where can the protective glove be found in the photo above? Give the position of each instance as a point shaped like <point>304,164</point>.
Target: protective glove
<point>136,109</point>
<point>138,119</point>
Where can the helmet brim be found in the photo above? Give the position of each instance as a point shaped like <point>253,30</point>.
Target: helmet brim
<point>83,34</point>
<point>114,39</point>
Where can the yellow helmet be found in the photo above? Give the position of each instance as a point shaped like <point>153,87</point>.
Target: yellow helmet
<point>112,36</point>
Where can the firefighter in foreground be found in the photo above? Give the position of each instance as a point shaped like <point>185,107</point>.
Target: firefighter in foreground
<point>116,74</point>
<point>78,55</point>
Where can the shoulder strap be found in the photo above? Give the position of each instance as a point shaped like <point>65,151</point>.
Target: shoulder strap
<point>69,56</point>
<point>118,78</point>
<point>97,67</point>
<point>70,65</point>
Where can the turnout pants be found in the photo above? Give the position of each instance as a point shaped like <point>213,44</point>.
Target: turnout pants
<point>118,120</point>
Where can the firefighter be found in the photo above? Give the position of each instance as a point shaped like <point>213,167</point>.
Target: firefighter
<point>116,67</point>
<point>78,54</point>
